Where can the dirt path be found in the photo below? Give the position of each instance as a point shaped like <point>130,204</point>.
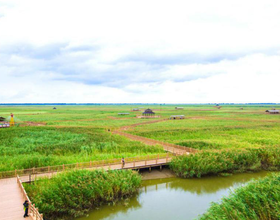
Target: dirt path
<point>173,148</point>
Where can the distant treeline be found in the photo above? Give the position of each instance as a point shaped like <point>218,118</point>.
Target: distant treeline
<point>139,103</point>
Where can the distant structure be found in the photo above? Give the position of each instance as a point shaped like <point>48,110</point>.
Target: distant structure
<point>4,124</point>
<point>273,111</point>
<point>136,109</point>
<point>148,112</point>
<point>54,107</point>
<point>174,117</point>
<point>179,108</point>
<point>241,108</point>
<point>123,113</point>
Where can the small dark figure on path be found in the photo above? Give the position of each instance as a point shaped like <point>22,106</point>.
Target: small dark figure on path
<point>123,162</point>
<point>25,207</point>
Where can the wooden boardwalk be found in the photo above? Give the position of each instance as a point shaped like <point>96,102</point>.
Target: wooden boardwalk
<point>12,193</point>
<point>12,197</point>
<point>11,200</point>
<point>135,165</point>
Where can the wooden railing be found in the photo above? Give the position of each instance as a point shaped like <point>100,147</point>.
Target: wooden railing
<point>33,211</point>
<point>82,165</point>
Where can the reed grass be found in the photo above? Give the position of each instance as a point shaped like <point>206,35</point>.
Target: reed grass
<point>212,162</point>
<point>259,200</point>
<point>72,194</point>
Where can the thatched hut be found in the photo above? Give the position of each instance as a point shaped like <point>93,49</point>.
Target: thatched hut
<point>148,112</point>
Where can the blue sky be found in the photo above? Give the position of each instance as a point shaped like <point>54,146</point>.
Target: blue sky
<point>139,51</point>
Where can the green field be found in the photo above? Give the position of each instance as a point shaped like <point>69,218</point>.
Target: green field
<point>72,134</point>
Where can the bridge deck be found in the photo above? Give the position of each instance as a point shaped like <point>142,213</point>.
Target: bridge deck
<point>129,165</point>
<point>11,200</point>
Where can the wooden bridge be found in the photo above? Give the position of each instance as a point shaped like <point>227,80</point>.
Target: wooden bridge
<point>12,192</point>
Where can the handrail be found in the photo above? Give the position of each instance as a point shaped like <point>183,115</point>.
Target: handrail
<point>79,165</point>
<point>33,211</point>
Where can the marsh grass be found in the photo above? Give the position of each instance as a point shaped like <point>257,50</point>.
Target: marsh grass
<point>226,161</point>
<point>259,200</point>
<point>72,194</point>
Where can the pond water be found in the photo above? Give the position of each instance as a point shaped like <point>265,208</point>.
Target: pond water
<point>172,198</point>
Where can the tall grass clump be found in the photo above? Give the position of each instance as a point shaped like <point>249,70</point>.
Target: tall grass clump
<point>72,194</point>
<point>229,161</point>
<point>259,200</point>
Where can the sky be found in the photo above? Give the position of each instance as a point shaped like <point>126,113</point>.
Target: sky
<point>148,51</point>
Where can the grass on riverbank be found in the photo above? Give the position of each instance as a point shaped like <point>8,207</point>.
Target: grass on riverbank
<point>72,194</point>
<point>226,161</point>
<point>259,200</point>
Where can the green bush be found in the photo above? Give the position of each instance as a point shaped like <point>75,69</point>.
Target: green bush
<point>258,200</point>
<point>72,194</point>
<point>231,160</point>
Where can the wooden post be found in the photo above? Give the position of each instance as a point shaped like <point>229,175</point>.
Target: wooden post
<point>15,173</point>
<point>48,168</point>
<point>37,213</point>
<point>33,170</point>
<point>145,162</point>
<point>90,163</point>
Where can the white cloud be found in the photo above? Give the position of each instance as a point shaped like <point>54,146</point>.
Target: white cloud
<point>139,51</point>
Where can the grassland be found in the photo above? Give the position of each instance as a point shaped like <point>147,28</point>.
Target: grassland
<point>72,134</point>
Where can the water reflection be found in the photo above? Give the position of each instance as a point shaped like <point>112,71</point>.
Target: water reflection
<point>172,198</point>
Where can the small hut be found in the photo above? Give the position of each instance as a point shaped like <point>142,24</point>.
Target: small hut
<point>136,109</point>
<point>148,112</point>
<point>123,113</point>
<point>174,117</point>
<point>179,108</point>
<point>54,107</point>
<point>273,111</point>
<point>241,108</point>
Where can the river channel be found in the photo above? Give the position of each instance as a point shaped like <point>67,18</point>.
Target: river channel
<point>173,198</point>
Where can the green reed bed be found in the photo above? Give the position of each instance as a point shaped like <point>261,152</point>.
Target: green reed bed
<point>226,161</point>
<point>72,194</point>
<point>259,200</point>
<point>27,147</point>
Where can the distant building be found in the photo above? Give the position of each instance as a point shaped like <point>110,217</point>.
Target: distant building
<point>148,112</point>
<point>179,108</point>
<point>136,109</point>
<point>241,108</point>
<point>54,107</point>
<point>173,117</point>
<point>273,111</point>
<point>123,113</point>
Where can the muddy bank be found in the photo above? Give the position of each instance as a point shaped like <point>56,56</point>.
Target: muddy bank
<point>157,174</point>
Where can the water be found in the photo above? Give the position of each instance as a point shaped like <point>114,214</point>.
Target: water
<point>172,198</point>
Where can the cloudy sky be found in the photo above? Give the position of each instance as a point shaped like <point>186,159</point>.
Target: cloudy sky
<point>175,51</point>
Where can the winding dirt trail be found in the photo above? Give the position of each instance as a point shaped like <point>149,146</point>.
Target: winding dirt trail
<point>173,148</point>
